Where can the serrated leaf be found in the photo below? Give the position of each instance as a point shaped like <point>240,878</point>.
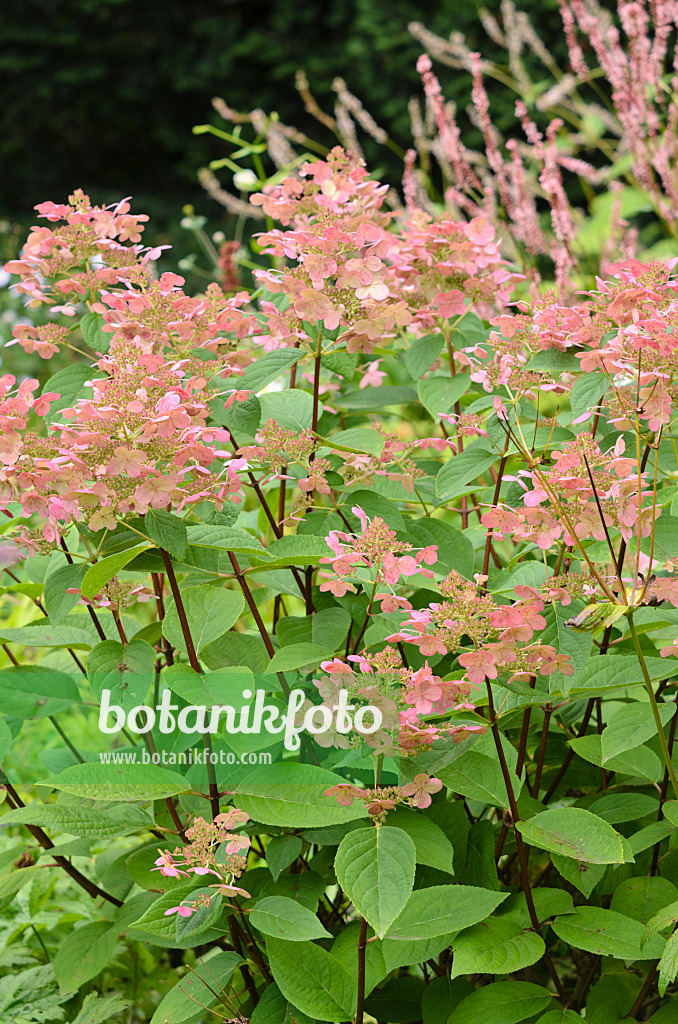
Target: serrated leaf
<point>607,933</point>
<point>432,847</point>
<point>291,409</point>
<point>375,868</point>
<point>47,636</point>
<point>455,550</point>
<point>267,368</point>
<point>668,964</point>
<point>313,980</point>
<point>97,1009</point>
<point>434,911</point>
<point>126,670</point>
<point>282,851</point>
<point>421,355</point>
<point>81,821</point>
<point>375,398</point>
<point>479,777</point>
<point>440,394</point>
<point>587,392</point>
<point>98,781</point>
<point>67,383</point>
<point>83,954</point>
<point>460,473</point>
<point>642,897</point>
<point>106,568</point>
<point>292,795</point>
<point>295,656</point>
<point>168,531</point>
<point>504,1002</point>
<point>225,538</point>
<point>630,727</point>
<point>574,832</point>
<point>495,946</point>
<point>28,691</point>
<point>57,602</point>
<point>283,918</point>
<point>210,612</point>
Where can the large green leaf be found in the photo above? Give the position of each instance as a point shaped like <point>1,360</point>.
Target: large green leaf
<point>631,726</point>
<point>504,1002</point>
<point>292,795</point>
<point>98,1009</point>
<point>83,954</point>
<point>431,845</point>
<point>81,821</point>
<point>68,384</point>
<point>127,671</point>
<point>574,832</point>
<point>274,1008</point>
<point>291,409</point>
<point>375,868</point>
<point>168,531</point>
<point>98,781</point>
<point>58,602</point>
<point>459,474</point>
<point>608,934</point>
<point>106,568</point>
<point>294,656</point>
<point>587,391</point>
<point>39,635</point>
<point>313,980</point>
<point>35,690</point>
<point>284,918</point>
<point>440,394</point>
<point>210,612</point>
<point>443,908</point>
<point>495,946</point>
<point>267,368</point>
<point>479,777</point>
<point>455,550</point>
<point>225,538</point>
<point>200,986</point>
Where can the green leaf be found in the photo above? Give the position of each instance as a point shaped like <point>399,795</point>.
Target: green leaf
<point>374,398</point>
<point>421,355</point>
<point>560,1017</point>
<point>104,570</point>
<point>291,409</point>
<point>584,877</point>
<point>615,808</point>
<point>285,919</point>
<point>360,439</point>
<point>375,868</point>
<point>274,1008</point>
<point>630,727</point>
<point>81,821</point>
<point>329,627</point>
<point>287,659</point>
<point>455,550</point>
<point>48,636</point>
<point>224,538</point>
<point>127,671</point>
<point>68,383</point>
<point>495,946</point>
<point>28,691</point>
<point>200,986</point>
<point>313,980</point>
<point>460,473</point>
<point>432,847</point>
<point>643,897</point>
<point>616,672</point>
<point>210,612</point>
<point>577,645</point>
<point>440,394</point>
<point>587,392</point>
<point>574,832</point>
<point>478,777</point>
<point>292,795</point>
<point>504,1002</point>
<point>281,852</point>
<point>57,602</point>
<point>607,933</point>
<point>91,326</point>
<point>168,531</point>
<point>154,921</point>
<point>99,781</point>
<point>98,1009</point>
<point>83,954</point>
<point>434,911</point>
<point>267,368</point>
<point>299,549</point>
<point>668,964</point>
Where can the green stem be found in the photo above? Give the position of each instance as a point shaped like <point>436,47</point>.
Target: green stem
<point>655,709</point>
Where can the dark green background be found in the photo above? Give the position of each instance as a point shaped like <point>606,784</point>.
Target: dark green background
<point>102,94</point>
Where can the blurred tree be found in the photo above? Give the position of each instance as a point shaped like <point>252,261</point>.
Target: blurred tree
<point>103,93</point>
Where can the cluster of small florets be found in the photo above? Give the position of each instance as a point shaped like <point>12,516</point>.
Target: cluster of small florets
<point>382,799</point>
<point>374,557</point>
<point>567,498</point>
<point>276,447</point>
<point>199,857</point>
